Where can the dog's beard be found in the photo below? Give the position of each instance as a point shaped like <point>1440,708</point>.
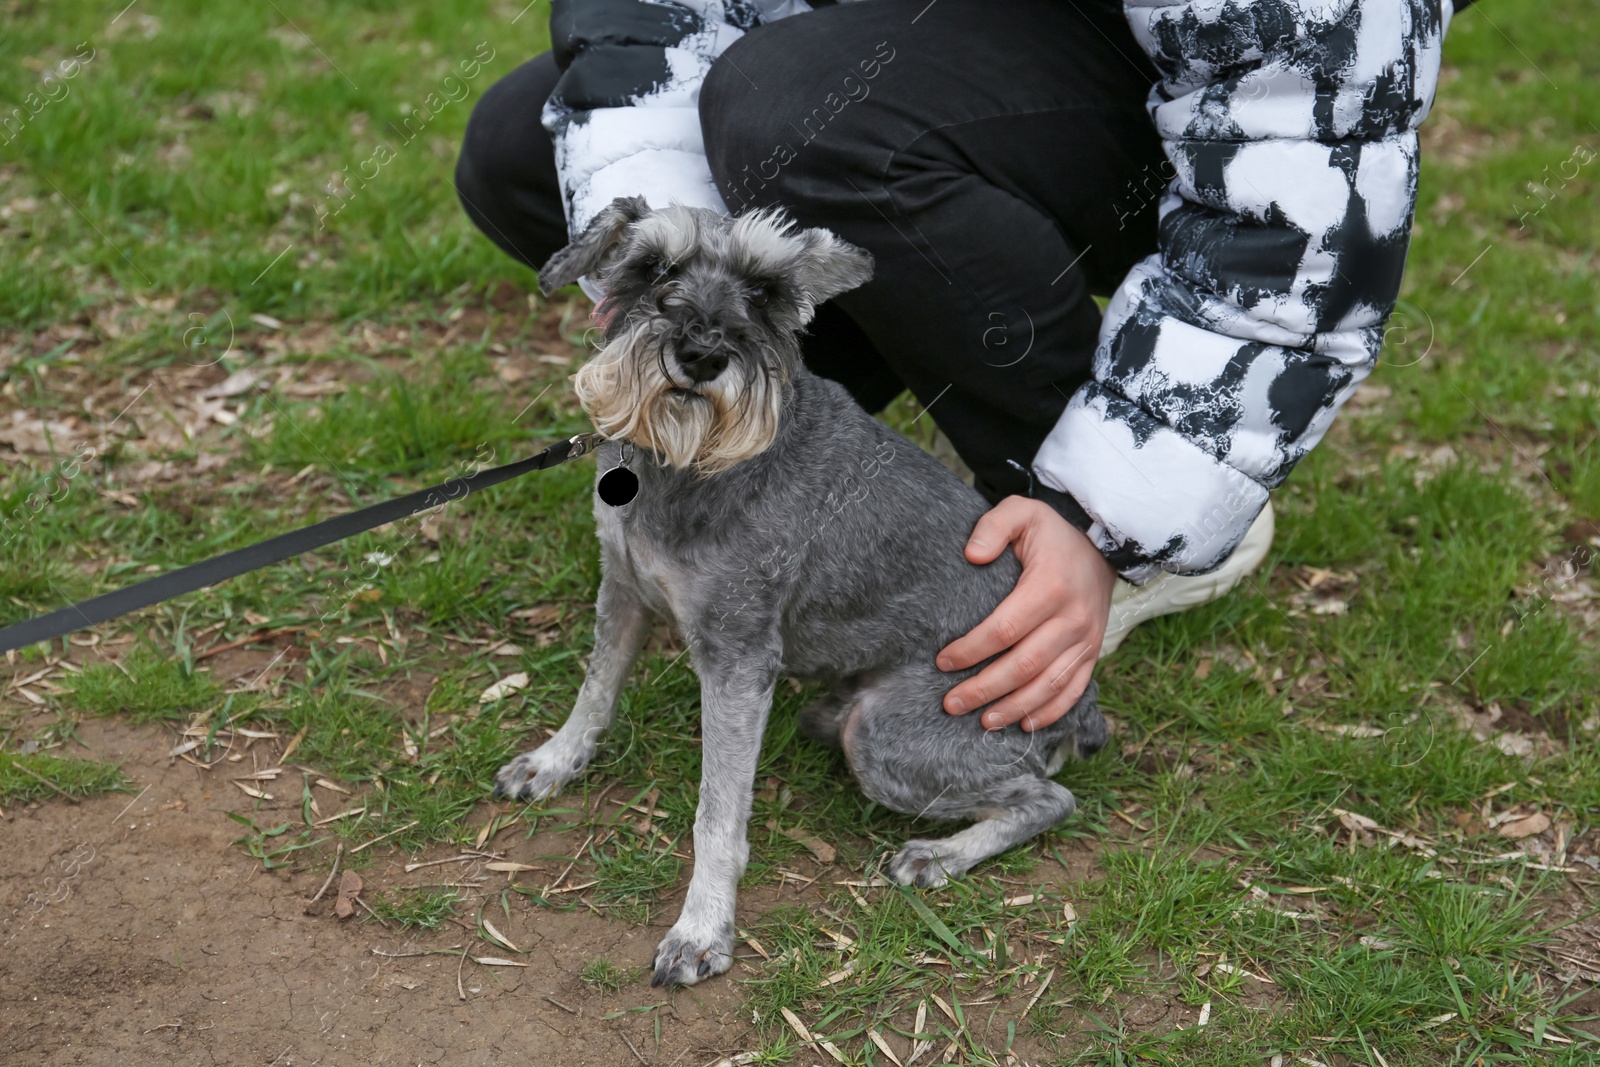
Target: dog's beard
<point>628,393</point>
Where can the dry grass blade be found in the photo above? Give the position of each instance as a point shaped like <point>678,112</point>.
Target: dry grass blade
<point>919,1026</point>
<point>434,863</point>
<point>883,1046</point>
<point>753,943</point>
<point>294,743</point>
<point>797,1026</point>
<point>350,813</point>
<point>498,936</point>
<point>385,837</point>
<point>838,976</point>
<point>1038,993</point>
<point>1228,968</point>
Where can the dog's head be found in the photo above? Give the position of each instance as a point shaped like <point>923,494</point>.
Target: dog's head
<point>702,315</point>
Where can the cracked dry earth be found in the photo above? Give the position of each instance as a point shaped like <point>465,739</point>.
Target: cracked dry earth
<point>137,933</point>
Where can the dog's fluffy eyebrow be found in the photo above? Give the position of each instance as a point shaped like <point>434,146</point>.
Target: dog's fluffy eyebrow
<point>671,235</point>
<point>765,246</point>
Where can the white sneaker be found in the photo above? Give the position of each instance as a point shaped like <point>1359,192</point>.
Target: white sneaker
<point>1132,604</point>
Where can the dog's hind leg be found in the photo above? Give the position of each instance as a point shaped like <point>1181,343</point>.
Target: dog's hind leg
<point>1021,808</point>
<point>823,718</point>
<point>621,622</point>
<point>913,758</point>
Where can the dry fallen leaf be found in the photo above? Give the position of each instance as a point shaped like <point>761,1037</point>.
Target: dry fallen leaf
<point>1537,823</point>
<point>349,888</point>
<point>539,615</point>
<point>1514,744</point>
<point>511,683</point>
<point>1351,821</point>
<point>824,852</point>
<point>1344,729</point>
<point>235,384</point>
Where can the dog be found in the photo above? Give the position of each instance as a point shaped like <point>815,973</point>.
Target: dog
<point>784,531</point>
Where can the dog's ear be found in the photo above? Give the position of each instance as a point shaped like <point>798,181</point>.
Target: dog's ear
<point>831,265</point>
<point>586,254</point>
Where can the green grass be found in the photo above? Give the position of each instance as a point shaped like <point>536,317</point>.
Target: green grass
<point>607,977</point>
<point>143,218</point>
<point>420,909</point>
<point>144,687</point>
<point>39,776</point>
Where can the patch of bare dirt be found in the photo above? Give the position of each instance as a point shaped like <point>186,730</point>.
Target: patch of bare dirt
<point>137,932</point>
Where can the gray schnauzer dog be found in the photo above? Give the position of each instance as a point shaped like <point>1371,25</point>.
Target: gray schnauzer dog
<point>784,531</point>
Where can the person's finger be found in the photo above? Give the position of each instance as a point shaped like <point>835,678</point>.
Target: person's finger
<point>1000,525</point>
<point>1063,703</point>
<point>1031,602</point>
<point>1036,696</point>
<point>1020,665</point>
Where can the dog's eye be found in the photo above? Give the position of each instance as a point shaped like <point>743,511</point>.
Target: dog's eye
<point>659,269</point>
<point>759,296</point>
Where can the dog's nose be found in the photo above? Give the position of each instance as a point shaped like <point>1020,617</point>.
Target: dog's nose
<point>697,333</point>
<point>701,362</point>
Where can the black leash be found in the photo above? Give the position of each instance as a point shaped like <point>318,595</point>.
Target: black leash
<point>277,549</point>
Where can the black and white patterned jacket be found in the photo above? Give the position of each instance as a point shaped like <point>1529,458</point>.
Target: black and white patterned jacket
<point>1291,128</point>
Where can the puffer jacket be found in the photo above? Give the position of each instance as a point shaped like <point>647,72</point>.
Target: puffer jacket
<point>1291,128</point>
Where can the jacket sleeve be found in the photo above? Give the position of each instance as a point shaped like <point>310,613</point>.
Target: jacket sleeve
<point>624,115</point>
<point>1290,126</point>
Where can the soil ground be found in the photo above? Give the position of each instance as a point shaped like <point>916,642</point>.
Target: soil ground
<point>139,933</point>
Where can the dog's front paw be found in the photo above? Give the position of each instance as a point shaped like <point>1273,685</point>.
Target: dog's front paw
<point>539,774</point>
<point>688,954</point>
<point>920,864</point>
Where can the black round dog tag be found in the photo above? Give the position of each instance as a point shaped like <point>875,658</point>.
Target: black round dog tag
<point>618,486</point>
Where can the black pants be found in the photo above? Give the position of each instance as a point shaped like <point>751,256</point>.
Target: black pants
<point>994,156</point>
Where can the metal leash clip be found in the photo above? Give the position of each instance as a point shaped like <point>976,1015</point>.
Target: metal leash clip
<point>583,443</point>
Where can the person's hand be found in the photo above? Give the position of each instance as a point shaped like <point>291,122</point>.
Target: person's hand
<point>1052,623</point>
